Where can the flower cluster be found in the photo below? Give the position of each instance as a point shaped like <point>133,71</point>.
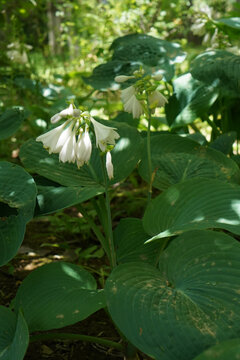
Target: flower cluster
<point>133,96</point>
<point>72,139</point>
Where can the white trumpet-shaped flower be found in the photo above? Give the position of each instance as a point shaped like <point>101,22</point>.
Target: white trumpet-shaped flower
<point>105,135</point>
<point>67,152</point>
<point>83,148</point>
<point>70,111</point>
<point>131,103</point>
<point>51,138</point>
<point>156,99</point>
<point>109,165</point>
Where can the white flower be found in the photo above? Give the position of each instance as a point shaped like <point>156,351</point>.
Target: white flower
<point>131,103</point>
<point>83,148</point>
<point>156,99</point>
<point>109,165</point>
<point>67,153</point>
<point>122,78</point>
<point>70,111</point>
<point>105,135</point>
<point>50,139</point>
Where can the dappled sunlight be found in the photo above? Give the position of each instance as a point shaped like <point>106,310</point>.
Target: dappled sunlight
<point>122,144</point>
<point>70,272</point>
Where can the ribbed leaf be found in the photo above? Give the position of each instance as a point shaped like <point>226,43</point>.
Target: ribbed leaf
<point>10,121</point>
<point>13,335</point>
<point>125,156</point>
<point>149,51</point>
<point>130,238</point>
<point>231,22</point>
<point>132,51</point>
<point>57,295</point>
<point>103,75</point>
<point>53,198</point>
<point>191,99</point>
<point>188,304</point>
<point>226,350</point>
<point>224,142</point>
<point>219,68</point>
<point>17,202</point>
<point>194,204</point>
<point>175,159</point>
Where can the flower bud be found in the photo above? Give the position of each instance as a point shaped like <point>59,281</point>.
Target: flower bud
<point>157,77</point>
<point>122,78</point>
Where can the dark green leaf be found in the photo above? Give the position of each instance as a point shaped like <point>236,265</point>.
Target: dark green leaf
<point>130,238</point>
<point>188,304</point>
<point>176,159</point>
<point>58,294</point>
<point>13,335</point>
<point>220,69</point>
<point>226,350</point>
<point>17,201</point>
<point>194,204</point>
<point>10,121</point>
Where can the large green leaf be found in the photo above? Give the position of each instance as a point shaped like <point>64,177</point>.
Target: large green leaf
<point>194,204</point>
<point>13,335</point>
<point>175,159</point>
<point>58,294</point>
<point>148,50</point>
<point>54,198</point>
<point>103,75</point>
<point>191,99</point>
<point>226,350</point>
<point>231,22</point>
<point>132,51</point>
<point>125,156</point>
<point>17,201</point>
<point>188,304</point>
<point>224,142</point>
<point>10,121</point>
<point>219,68</point>
<point>130,238</point>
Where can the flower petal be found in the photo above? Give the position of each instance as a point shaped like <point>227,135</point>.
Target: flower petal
<point>109,165</point>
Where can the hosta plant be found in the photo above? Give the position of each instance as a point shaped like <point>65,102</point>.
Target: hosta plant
<point>174,285</point>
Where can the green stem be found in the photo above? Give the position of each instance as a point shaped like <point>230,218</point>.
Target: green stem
<point>93,339</point>
<point>94,227</point>
<point>112,257</point>
<point>149,151</point>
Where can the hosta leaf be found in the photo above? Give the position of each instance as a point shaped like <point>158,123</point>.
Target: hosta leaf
<point>130,238</point>
<point>17,202</point>
<point>191,99</point>
<point>194,204</point>
<point>188,304</point>
<point>231,22</point>
<point>149,51</point>
<point>58,294</point>
<point>13,335</point>
<point>125,156</point>
<point>53,198</point>
<point>175,159</point>
<point>103,75</point>
<point>132,51</point>
<point>226,350</point>
<point>219,68</point>
<point>10,121</point>
<point>224,142</point>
